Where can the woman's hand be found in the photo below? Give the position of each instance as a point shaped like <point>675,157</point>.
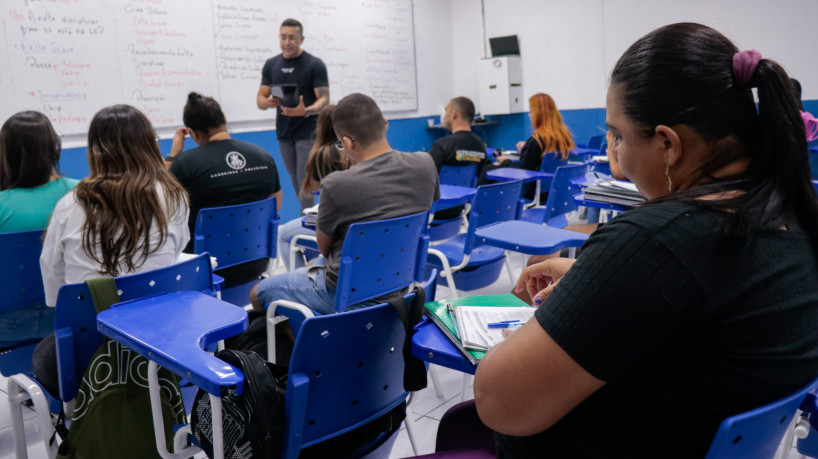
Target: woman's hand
<point>520,145</point>
<point>540,279</point>
<point>179,141</point>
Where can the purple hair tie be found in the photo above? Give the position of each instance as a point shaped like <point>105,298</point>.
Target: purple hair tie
<point>744,66</point>
<point>811,125</point>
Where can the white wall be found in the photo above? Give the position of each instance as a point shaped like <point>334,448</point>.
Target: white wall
<point>569,47</point>
<point>433,56</point>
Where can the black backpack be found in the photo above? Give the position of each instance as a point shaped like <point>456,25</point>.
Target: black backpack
<point>254,339</point>
<point>253,421</point>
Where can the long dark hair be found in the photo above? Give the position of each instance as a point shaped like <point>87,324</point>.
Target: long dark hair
<point>29,151</point>
<point>324,157</point>
<point>682,74</point>
<point>120,197</point>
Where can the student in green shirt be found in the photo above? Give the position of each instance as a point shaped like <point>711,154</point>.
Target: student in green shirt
<point>29,189</point>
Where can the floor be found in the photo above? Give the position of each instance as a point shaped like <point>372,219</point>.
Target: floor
<point>425,408</point>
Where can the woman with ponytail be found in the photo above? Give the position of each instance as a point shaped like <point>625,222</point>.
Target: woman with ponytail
<point>698,305</point>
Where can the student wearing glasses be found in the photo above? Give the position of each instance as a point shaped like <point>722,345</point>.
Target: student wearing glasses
<point>380,184</point>
<point>698,305</point>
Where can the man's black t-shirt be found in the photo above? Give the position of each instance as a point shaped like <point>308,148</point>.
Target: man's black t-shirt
<point>459,149</point>
<point>224,173</point>
<point>685,325</point>
<point>462,148</point>
<point>306,71</point>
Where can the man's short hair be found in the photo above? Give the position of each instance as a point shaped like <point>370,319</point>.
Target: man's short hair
<point>464,106</point>
<point>359,117</point>
<point>290,22</point>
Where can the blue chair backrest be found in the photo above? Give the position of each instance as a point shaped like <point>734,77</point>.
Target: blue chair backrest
<point>493,203</point>
<point>380,257</point>
<point>561,195</point>
<point>75,320</point>
<point>757,433</point>
<point>594,142</point>
<point>22,281</point>
<point>346,370</point>
<point>551,161</point>
<point>237,234</point>
<point>458,175</point>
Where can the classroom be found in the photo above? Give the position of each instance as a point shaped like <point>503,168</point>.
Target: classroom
<point>70,58</point>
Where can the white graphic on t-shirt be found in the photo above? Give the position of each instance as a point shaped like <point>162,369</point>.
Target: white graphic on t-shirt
<point>235,160</point>
<point>288,70</point>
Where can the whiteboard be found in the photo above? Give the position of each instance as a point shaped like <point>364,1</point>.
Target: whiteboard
<point>69,58</point>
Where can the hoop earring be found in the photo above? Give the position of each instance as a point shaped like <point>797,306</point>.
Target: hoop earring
<point>667,174</point>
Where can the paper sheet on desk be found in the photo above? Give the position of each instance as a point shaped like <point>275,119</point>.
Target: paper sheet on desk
<point>473,321</point>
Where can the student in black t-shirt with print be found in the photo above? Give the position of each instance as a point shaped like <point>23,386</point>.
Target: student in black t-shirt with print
<point>698,305</point>
<point>462,148</point>
<point>295,126</point>
<point>221,171</point>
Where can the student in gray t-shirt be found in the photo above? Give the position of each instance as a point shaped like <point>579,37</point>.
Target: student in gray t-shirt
<point>382,184</point>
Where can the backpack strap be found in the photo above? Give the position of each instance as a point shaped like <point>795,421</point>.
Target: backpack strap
<point>103,292</point>
<point>414,370</point>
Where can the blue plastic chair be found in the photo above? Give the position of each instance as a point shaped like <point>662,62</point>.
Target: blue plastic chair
<point>459,175</point>
<point>238,234</point>
<point>346,369</point>
<point>22,286</point>
<point>560,198</point>
<point>595,142</point>
<point>757,433</point>
<point>463,261</point>
<point>77,337</point>
<point>465,176</point>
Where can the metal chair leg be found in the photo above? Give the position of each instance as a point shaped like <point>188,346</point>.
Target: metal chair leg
<point>435,381</point>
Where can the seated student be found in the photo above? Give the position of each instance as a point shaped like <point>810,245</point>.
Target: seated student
<point>30,187</point>
<point>461,148</point>
<point>220,172</point>
<point>129,216</point>
<point>381,184</point>
<point>550,135</point>
<point>324,159</point>
<point>696,306</point>
<point>30,184</point>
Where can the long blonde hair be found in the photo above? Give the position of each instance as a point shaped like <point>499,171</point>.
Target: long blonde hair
<point>120,197</point>
<point>549,131</point>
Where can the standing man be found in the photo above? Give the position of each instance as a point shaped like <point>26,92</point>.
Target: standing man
<point>295,126</point>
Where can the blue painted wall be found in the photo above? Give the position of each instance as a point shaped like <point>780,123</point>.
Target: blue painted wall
<point>409,135</point>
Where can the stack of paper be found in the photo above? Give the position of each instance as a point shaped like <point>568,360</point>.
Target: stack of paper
<point>614,191</point>
<point>473,324</point>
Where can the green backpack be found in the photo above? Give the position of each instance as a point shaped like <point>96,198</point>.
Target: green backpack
<point>112,416</point>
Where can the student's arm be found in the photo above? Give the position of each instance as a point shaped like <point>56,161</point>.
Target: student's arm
<point>263,99</point>
<point>324,242</point>
<point>436,152</point>
<point>279,195</point>
<point>531,155</point>
<point>178,144</point>
<point>527,383</point>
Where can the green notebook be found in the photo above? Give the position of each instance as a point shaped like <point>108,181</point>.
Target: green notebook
<point>438,311</point>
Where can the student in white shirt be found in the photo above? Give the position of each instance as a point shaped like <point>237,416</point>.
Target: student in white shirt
<point>129,216</point>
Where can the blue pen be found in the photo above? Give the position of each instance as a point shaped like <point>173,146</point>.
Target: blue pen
<point>506,324</point>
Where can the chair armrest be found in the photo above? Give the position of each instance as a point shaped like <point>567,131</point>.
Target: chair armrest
<point>297,313</point>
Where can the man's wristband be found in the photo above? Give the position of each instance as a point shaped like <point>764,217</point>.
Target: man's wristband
<point>169,158</point>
